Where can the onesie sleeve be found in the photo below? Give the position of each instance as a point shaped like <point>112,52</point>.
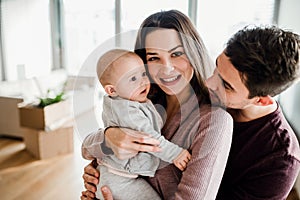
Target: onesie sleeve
<point>140,120</point>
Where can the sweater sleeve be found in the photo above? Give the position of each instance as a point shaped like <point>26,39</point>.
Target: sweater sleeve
<point>93,145</point>
<point>210,150</point>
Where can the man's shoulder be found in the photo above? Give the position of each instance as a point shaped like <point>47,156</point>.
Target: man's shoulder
<point>276,133</point>
<point>285,134</point>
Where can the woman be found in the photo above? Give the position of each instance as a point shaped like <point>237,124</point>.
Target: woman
<point>176,62</point>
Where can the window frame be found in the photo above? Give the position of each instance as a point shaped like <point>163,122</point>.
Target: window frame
<point>58,41</point>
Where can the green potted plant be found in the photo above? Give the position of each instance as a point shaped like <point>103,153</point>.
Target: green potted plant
<point>51,111</point>
<point>46,101</point>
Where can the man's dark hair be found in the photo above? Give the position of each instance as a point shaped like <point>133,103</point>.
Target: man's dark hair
<point>266,57</point>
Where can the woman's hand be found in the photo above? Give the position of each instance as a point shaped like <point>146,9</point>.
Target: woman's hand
<point>126,143</point>
<point>91,179</point>
<point>106,193</point>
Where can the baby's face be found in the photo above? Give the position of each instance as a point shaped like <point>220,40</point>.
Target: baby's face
<point>132,82</point>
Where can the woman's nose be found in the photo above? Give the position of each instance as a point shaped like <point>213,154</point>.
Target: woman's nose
<point>167,67</point>
<point>168,70</point>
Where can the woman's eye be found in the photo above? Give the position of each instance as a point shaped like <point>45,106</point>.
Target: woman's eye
<point>144,74</point>
<point>177,53</point>
<point>133,78</point>
<point>152,59</point>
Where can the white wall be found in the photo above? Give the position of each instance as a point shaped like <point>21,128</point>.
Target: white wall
<point>289,16</point>
<point>26,38</point>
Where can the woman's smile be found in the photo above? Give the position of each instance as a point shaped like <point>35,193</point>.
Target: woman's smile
<point>170,80</point>
<point>167,62</point>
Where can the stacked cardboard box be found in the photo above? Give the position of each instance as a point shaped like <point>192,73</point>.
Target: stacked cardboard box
<point>49,130</point>
<point>9,117</point>
<point>46,118</point>
<point>47,144</point>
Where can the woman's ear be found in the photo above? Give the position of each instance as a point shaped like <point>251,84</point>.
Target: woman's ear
<point>110,90</point>
<point>264,101</point>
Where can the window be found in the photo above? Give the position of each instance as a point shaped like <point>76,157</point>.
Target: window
<point>218,20</point>
<point>133,17</point>
<point>47,35</point>
<point>26,42</point>
<point>87,25</point>
<point>92,23</point>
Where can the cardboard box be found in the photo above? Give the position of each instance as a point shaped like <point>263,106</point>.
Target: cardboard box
<point>47,118</point>
<point>43,144</point>
<point>9,117</point>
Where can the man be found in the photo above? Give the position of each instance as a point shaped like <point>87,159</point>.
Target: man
<point>264,161</point>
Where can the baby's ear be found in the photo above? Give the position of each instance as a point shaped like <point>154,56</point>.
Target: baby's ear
<point>110,90</point>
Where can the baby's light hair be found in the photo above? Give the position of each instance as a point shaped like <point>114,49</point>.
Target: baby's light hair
<point>105,64</point>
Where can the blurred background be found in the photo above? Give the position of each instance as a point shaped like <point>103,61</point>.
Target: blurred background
<point>44,44</point>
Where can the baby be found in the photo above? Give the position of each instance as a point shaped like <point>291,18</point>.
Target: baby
<point>124,79</point>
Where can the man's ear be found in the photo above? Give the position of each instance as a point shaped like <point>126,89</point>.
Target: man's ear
<point>264,101</point>
<point>110,90</point>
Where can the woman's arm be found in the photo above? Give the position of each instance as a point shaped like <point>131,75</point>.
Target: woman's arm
<point>91,145</point>
<point>124,143</point>
<point>210,150</point>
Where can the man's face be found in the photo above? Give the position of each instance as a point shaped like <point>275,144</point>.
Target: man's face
<point>227,87</point>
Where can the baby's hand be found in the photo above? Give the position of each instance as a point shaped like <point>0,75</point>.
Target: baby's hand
<point>182,159</point>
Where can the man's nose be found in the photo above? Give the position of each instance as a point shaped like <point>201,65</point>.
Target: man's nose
<point>211,83</point>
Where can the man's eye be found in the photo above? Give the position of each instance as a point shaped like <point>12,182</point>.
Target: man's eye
<point>226,86</point>
<point>133,78</point>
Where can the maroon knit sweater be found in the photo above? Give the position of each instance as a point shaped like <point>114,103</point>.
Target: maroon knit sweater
<point>264,160</point>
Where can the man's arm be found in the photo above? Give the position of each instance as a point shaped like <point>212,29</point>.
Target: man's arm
<point>91,179</point>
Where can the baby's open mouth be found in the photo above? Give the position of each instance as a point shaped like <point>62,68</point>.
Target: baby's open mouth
<point>144,91</point>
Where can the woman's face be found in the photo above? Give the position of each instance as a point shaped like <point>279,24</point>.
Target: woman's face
<point>167,62</point>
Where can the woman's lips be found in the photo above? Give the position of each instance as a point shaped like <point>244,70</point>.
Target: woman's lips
<point>169,80</point>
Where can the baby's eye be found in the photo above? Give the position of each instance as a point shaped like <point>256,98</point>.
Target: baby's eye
<point>144,74</point>
<point>133,78</point>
